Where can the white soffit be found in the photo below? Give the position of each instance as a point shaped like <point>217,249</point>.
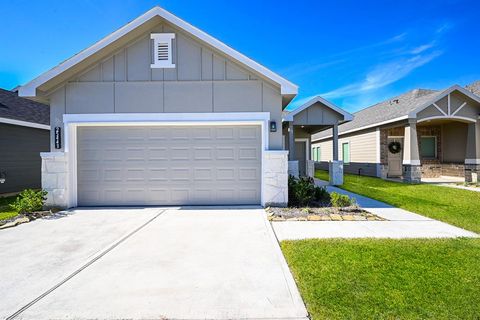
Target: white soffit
<point>29,89</point>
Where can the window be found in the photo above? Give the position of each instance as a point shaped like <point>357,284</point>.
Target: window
<point>428,147</point>
<point>346,152</point>
<point>162,50</point>
<point>316,154</point>
<point>319,155</point>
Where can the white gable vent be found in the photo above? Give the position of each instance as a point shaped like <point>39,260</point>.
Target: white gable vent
<point>162,50</point>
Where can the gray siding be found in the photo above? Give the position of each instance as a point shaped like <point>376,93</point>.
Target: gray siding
<point>20,156</point>
<point>202,81</point>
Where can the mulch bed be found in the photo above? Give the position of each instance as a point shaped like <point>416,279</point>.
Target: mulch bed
<point>353,213</point>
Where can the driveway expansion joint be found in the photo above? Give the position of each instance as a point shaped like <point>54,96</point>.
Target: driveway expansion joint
<point>85,266</point>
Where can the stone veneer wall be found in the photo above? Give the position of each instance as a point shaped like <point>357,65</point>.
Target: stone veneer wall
<point>275,178</point>
<point>435,170</point>
<point>54,179</point>
<point>293,169</point>
<point>310,168</point>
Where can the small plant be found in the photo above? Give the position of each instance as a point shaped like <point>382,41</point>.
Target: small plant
<point>29,201</point>
<point>341,200</point>
<point>303,192</point>
<point>322,195</point>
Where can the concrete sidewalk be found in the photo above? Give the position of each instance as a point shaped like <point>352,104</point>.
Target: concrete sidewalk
<point>401,224</point>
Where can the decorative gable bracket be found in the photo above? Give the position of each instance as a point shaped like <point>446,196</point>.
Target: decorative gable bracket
<point>162,50</point>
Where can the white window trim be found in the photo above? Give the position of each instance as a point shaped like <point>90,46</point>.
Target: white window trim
<point>73,121</point>
<point>166,38</point>
<point>349,152</point>
<point>436,151</point>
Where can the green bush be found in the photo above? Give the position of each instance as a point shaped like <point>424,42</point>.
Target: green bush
<point>303,192</point>
<point>29,201</point>
<point>341,200</point>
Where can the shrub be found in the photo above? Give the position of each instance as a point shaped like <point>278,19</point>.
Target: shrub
<point>303,192</point>
<point>341,200</point>
<point>322,195</point>
<point>29,201</point>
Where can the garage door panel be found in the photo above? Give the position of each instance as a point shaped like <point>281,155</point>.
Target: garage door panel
<point>181,165</point>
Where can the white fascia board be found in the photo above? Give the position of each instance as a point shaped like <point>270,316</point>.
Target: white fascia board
<point>346,115</point>
<point>413,114</point>
<point>29,89</point>
<point>174,118</point>
<point>25,123</point>
<point>364,127</point>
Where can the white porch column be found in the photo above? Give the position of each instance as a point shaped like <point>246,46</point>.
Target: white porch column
<point>411,156</point>
<point>472,155</point>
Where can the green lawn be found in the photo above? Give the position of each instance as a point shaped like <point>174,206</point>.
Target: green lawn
<point>455,206</point>
<point>387,279</point>
<point>5,211</point>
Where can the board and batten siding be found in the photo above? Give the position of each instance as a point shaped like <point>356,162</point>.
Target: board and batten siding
<point>363,152</point>
<point>203,80</point>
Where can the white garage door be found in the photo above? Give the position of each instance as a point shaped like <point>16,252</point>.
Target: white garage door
<point>168,165</point>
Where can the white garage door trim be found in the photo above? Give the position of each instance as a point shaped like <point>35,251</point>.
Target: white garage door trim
<point>73,121</point>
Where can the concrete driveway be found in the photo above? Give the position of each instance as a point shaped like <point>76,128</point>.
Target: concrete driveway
<point>147,263</point>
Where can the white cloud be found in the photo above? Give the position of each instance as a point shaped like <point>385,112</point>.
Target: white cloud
<point>383,75</point>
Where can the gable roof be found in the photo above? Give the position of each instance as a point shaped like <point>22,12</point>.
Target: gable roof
<point>346,116</point>
<point>30,89</point>
<point>20,111</point>
<point>395,109</point>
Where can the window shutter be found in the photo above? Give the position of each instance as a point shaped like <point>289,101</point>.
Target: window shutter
<point>162,50</point>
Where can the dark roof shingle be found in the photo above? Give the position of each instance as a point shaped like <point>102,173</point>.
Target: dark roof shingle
<point>14,107</point>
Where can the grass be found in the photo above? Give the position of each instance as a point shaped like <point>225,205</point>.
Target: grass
<point>387,279</point>
<point>5,211</point>
<point>455,206</point>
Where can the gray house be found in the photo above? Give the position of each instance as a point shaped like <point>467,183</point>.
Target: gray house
<point>161,113</point>
<point>24,133</point>
<point>419,134</point>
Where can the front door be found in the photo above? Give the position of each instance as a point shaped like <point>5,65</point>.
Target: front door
<point>300,154</point>
<point>395,158</point>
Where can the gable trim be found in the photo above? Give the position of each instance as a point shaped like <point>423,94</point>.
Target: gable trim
<point>413,114</point>
<point>346,115</point>
<point>29,89</point>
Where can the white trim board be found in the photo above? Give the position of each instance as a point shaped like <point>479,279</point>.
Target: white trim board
<point>364,127</point>
<point>30,89</point>
<point>25,123</point>
<point>346,115</point>
<point>73,121</point>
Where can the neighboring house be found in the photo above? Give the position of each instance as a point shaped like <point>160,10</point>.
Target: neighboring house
<point>160,113</point>
<point>24,133</point>
<point>422,133</point>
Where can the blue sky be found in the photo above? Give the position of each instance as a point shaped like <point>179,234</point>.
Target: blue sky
<point>354,53</point>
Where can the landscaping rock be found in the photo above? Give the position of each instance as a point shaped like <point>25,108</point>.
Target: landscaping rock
<point>348,218</point>
<point>314,218</point>
<point>336,217</point>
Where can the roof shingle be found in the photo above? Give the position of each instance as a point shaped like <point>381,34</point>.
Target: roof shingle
<point>390,109</point>
<point>14,107</point>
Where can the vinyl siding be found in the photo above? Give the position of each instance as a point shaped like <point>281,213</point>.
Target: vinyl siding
<point>20,156</point>
<point>363,151</point>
